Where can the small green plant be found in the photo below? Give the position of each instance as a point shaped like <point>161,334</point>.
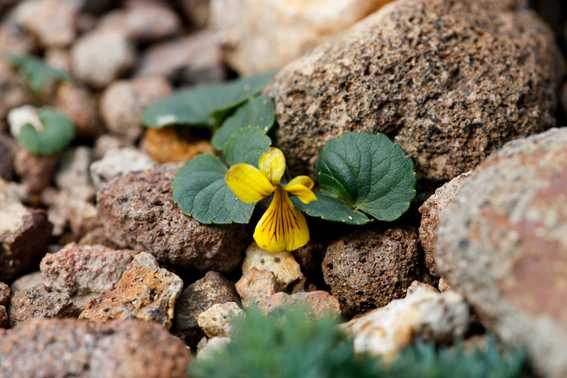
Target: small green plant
<point>36,72</point>
<point>294,345</point>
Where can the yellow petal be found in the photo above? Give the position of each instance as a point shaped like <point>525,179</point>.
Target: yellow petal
<point>248,183</point>
<point>282,228</point>
<point>272,165</point>
<point>301,187</point>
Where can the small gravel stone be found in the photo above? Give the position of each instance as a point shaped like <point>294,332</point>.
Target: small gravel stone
<point>27,281</point>
<point>255,286</point>
<point>318,303</point>
<point>73,173</point>
<point>137,212</point>
<point>80,106</point>
<point>208,347</point>
<point>14,40</point>
<point>35,172</point>
<point>4,294</point>
<point>367,269</point>
<point>145,291</point>
<point>108,142</point>
<point>197,298</point>
<point>71,348</point>
<point>283,265</point>
<point>431,212</point>
<point>167,146</point>
<point>13,90</point>
<point>59,59</point>
<point>4,321</point>
<point>81,270</point>
<point>123,101</point>
<point>117,163</point>
<point>217,320</point>
<point>39,303</point>
<point>102,56</point>
<point>197,12</point>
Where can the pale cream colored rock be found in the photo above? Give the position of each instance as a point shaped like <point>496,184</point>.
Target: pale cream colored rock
<point>117,163</point>
<point>27,281</point>
<point>260,35</point>
<point>283,265</point>
<point>24,115</point>
<point>217,320</point>
<point>255,286</point>
<point>443,285</point>
<point>207,347</point>
<point>425,312</point>
<point>73,173</point>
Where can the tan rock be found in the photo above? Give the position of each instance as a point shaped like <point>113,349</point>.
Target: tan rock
<point>261,35</point>
<point>208,347</point>
<point>145,292</point>
<point>80,106</point>
<point>35,172</point>
<point>283,265</point>
<point>167,146</point>
<point>318,303</point>
<point>424,313</point>
<point>27,281</point>
<point>123,101</point>
<point>217,320</point>
<point>13,90</point>
<point>4,294</point>
<point>255,286</point>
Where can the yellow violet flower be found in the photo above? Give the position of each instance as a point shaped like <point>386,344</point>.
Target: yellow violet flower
<point>282,227</point>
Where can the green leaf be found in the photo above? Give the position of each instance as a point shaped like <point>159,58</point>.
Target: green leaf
<point>205,105</point>
<point>365,172</point>
<point>258,111</point>
<point>58,131</point>
<point>331,209</point>
<point>35,71</point>
<point>246,146</point>
<point>200,191</point>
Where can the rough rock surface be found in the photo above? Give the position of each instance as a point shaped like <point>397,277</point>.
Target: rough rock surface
<point>263,35</point>
<point>255,286</point>
<point>193,59</point>
<point>73,172</point>
<point>199,297</point>
<point>318,303</point>
<point>283,265</point>
<point>118,162</point>
<point>4,320</point>
<point>4,298</point>
<point>367,269</point>
<point>207,347</point>
<point>137,212</point>
<point>145,291</point>
<point>217,320</point>
<point>424,312</point>
<point>431,212</point>
<point>167,146</point>
<point>24,234</point>
<point>39,303</point>
<point>52,22</point>
<point>509,224</point>
<point>81,270</point>
<point>102,56</point>
<point>70,348</point>
<point>451,80</point>
<point>27,281</point>
<point>81,107</point>
<point>35,172</point>
<point>123,101</point>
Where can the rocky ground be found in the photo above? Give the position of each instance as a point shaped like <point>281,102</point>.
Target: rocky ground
<point>101,274</point>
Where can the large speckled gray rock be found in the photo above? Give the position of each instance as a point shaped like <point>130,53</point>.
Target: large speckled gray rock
<point>502,242</point>
<point>451,80</point>
<point>137,212</point>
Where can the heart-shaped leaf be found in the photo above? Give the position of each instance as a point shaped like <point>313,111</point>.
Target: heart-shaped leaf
<point>258,111</point>
<point>362,172</point>
<point>246,146</point>
<point>35,71</point>
<point>205,105</point>
<point>58,131</point>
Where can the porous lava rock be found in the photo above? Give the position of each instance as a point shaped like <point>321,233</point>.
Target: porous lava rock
<point>197,298</point>
<point>450,80</point>
<point>318,303</point>
<point>367,269</point>
<point>502,242</point>
<point>137,212</point>
<point>431,211</point>
<point>256,285</point>
<point>71,348</point>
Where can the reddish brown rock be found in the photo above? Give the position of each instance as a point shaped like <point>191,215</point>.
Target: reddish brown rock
<point>65,347</point>
<point>367,269</point>
<point>318,303</point>
<point>197,11</point>
<point>255,286</point>
<point>310,257</point>
<point>303,286</point>
<point>431,211</point>
<point>14,40</point>
<point>80,270</point>
<point>80,106</point>
<point>167,146</point>
<point>39,303</point>
<point>4,294</point>
<point>145,291</point>
<point>137,211</point>
<point>502,242</point>
<point>24,234</point>
<point>4,321</point>
<point>122,103</point>
<point>35,172</point>
<point>199,297</point>
<point>452,80</point>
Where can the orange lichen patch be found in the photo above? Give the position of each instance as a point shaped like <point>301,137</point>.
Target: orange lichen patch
<point>167,146</point>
